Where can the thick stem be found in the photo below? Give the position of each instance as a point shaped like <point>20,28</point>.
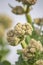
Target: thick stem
<point>28,17</point>
<point>23,43</point>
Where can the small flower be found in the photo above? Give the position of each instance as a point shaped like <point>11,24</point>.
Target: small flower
<point>39,21</point>
<point>27,54</point>
<point>18,10</point>
<point>32,50</point>
<point>36,44</point>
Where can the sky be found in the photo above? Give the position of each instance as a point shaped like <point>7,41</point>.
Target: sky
<point>37,11</point>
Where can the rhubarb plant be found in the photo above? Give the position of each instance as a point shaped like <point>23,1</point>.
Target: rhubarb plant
<point>29,36</point>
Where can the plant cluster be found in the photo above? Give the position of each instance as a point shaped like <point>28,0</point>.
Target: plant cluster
<point>19,33</point>
<point>29,36</point>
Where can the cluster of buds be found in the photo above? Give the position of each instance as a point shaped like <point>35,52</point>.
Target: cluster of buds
<point>39,62</point>
<point>19,32</point>
<point>39,21</point>
<point>33,48</point>
<point>23,10</point>
<point>30,2</point>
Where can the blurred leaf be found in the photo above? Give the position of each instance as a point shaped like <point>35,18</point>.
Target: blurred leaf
<point>1,63</point>
<point>21,61</point>
<point>0,57</point>
<point>4,52</point>
<point>3,49</point>
<point>41,39</point>
<point>19,52</point>
<point>27,39</point>
<point>35,35</point>
<point>6,63</point>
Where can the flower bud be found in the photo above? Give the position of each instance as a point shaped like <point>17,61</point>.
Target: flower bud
<point>18,10</point>
<point>39,21</point>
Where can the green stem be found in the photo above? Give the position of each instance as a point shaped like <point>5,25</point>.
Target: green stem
<point>40,30</point>
<point>0,58</point>
<point>23,43</point>
<point>28,17</point>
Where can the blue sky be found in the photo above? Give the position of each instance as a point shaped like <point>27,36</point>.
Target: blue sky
<point>36,12</point>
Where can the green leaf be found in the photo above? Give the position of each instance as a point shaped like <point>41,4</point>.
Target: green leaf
<point>6,63</point>
<point>27,39</point>
<point>19,52</point>
<point>41,39</point>
<point>21,61</point>
<point>35,35</point>
<point>1,63</point>
<point>0,57</point>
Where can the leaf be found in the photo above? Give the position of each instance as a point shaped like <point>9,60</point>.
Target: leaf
<point>27,39</point>
<point>19,52</point>
<point>0,57</point>
<point>41,39</point>
<point>21,61</point>
<point>35,35</point>
<point>1,63</point>
<point>6,63</point>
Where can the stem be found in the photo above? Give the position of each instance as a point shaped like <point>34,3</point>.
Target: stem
<point>40,29</point>
<point>23,43</point>
<point>27,9</point>
<point>0,58</point>
<point>28,17</point>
